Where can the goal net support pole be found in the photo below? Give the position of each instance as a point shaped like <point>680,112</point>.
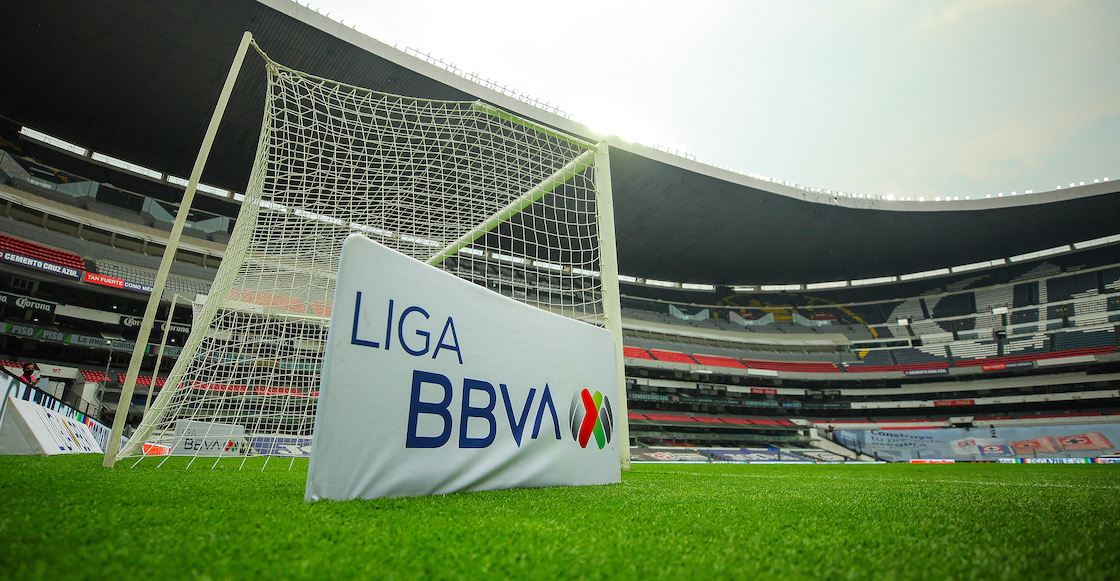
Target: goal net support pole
<point>574,167</point>
<point>159,355</point>
<point>612,301</point>
<point>124,404</point>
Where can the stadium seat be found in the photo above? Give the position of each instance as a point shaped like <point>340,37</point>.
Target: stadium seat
<point>717,361</point>
<point>1035,356</point>
<point>32,250</point>
<point>635,353</point>
<point>12,365</point>
<point>671,356</point>
<point>94,376</point>
<point>221,387</point>
<point>856,368</point>
<point>793,366</point>
<point>669,418</point>
<point>289,391</point>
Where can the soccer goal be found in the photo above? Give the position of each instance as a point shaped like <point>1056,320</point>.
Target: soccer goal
<point>518,208</point>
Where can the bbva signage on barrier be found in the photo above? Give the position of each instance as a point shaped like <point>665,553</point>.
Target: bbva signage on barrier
<point>29,428</point>
<point>432,385</point>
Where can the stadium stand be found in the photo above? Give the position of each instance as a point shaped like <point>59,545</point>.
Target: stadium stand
<point>143,380</point>
<point>954,340</point>
<point>871,314</point>
<point>671,356</point>
<point>920,355</point>
<point>717,361</point>
<point>875,358</point>
<point>912,310</point>
<point>635,352</point>
<point>1072,340</point>
<point>1028,315</point>
<point>824,354</point>
<point>989,298</point>
<point>1029,345</point>
<point>1110,278</point>
<point>38,251</point>
<point>792,366</point>
<point>15,367</point>
<point>896,368</point>
<point>1037,356</point>
<point>94,375</point>
<point>1072,286</point>
<point>187,287</point>
<point>951,305</point>
<point>973,350</point>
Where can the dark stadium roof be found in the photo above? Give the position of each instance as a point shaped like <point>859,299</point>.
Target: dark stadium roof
<point>138,80</point>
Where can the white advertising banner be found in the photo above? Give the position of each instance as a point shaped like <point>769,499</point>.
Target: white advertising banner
<point>433,385</point>
<point>195,438</point>
<point>29,428</point>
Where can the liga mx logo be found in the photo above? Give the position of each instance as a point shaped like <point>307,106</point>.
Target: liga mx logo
<point>591,415</point>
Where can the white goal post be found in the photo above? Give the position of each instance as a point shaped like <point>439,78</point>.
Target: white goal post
<point>516,207</point>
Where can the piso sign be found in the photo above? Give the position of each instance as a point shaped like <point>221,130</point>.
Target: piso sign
<point>432,384</point>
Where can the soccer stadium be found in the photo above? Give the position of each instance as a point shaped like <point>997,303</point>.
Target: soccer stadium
<point>788,353</point>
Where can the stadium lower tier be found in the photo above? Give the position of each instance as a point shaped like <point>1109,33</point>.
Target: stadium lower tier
<point>1033,341</point>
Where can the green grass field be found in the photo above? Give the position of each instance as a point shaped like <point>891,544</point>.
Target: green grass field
<point>67,517</point>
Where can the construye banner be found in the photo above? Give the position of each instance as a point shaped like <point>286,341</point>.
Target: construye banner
<point>432,385</point>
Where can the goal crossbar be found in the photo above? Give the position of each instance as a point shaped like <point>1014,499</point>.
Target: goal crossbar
<point>496,112</point>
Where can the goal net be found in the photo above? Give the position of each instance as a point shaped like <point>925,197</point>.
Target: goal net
<point>489,197</point>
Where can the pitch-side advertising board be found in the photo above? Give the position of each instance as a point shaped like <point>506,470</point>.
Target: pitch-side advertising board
<point>29,428</point>
<point>432,385</point>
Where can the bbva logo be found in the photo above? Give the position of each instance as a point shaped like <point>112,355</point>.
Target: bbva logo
<point>591,415</point>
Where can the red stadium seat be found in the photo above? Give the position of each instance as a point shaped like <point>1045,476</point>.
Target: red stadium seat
<point>669,418</point>
<point>793,366</point>
<point>93,376</point>
<point>671,356</point>
<point>43,253</point>
<point>715,361</point>
<point>635,353</point>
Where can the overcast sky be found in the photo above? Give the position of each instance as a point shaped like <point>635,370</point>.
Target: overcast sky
<point>951,97</point>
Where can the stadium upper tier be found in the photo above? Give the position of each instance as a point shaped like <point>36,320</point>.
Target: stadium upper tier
<point>145,91</point>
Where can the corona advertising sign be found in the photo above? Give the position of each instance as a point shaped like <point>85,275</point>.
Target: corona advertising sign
<point>432,385</point>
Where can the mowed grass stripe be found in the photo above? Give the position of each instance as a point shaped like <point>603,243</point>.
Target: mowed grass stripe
<point>68,517</point>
